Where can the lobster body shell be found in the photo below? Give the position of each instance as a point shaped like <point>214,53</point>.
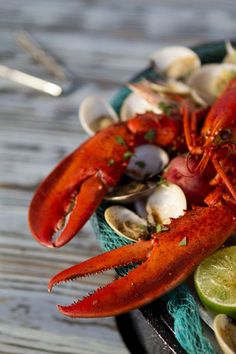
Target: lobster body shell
<point>217,141</point>
<point>222,114</point>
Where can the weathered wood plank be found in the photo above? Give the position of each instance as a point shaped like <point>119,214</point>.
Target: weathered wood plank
<point>16,339</point>
<point>25,268</point>
<point>103,43</point>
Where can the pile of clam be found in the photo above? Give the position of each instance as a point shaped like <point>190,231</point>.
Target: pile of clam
<point>142,204</point>
<point>148,205</point>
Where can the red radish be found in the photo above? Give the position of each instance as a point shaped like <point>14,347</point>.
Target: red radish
<point>195,186</point>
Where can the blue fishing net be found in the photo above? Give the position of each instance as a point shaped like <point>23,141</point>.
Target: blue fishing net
<point>180,302</point>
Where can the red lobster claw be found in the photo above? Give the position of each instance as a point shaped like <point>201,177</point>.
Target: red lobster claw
<point>166,262</point>
<point>70,194</point>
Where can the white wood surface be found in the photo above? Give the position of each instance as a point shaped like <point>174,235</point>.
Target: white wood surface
<point>103,43</point>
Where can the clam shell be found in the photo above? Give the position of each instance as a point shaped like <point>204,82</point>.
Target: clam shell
<point>210,81</point>
<point>171,86</point>
<point>140,207</point>
<point>157,93</point>
<point>126,223</point>
<point>175,61</point>
<point>153,93</point>
<point>147,161</point>
<point>135,104</point>
<point>179,88</point>
<point>225,332</point>
<point>131,192</point>
<point>95,114</point>
<point>168,201</point>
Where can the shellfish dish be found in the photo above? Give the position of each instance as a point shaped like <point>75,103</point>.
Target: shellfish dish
<point>163,167</point>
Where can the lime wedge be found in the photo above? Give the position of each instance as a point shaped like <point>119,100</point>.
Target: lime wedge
<point>215,281</point>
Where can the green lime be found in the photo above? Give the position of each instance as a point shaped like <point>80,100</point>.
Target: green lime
<point>215,281</point>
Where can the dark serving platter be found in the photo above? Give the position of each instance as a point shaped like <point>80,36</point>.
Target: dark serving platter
<point>150,329</point>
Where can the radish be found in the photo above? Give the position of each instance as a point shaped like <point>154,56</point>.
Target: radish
<point>195,186</point>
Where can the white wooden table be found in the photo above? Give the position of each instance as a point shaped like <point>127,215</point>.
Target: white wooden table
<point>103,43</point>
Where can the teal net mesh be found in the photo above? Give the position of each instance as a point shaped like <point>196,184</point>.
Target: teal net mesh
<point>180,302</point>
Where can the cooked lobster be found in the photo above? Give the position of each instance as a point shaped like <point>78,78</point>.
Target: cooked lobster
<point>78,184</point>
<point>71,193</point>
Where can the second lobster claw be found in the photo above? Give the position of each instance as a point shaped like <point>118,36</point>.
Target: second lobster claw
<point>165,262</point>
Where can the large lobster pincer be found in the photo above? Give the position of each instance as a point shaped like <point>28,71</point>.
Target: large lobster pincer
<point>71,193</point>
<point>166,262</point>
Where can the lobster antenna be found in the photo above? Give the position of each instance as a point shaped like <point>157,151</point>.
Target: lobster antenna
<point>223,176</point>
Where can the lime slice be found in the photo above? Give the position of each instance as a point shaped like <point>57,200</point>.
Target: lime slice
<point>215,281</point>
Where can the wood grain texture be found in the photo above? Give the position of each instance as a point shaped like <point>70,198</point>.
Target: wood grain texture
<point>103,43</point>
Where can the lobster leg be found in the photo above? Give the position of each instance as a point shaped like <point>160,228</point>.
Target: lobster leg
<point>223,176</point>
<point>169,262</point>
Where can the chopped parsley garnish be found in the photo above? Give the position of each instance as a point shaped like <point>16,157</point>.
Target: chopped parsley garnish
<point>161,228</point>
<point>111,162</point>
<point>162,181</point>
<point>140,164</point>
<point>183,242</point>
<point>158,228</point>
<point>150,135</point>
<point>167,108</point>
<point>120,140</point>
<point>127,155</point>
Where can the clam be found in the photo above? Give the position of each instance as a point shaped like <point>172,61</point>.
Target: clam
<point>225,332</point>
<point>175,62</point>
<point>171,86</point>
<point>134,104</point>
<point>140,207</point>
<point>230,53</point>
<point>155,94</point>
<point>168,201</point>
<point>96,114</point>
<point>160,94</point>
<point>131,192</point>
<point>179,88</point>
<point>126,223</point>
<point>211,80</point>
<point>147,161</point>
